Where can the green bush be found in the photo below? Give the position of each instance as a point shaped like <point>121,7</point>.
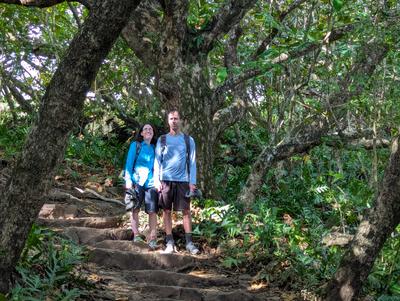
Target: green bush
<point>12,138</point>
<point>301,201</point>
<point>95,151</point>
<point>46,268</point>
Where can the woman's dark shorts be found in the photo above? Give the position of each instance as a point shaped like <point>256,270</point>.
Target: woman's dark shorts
<point>172,196</point>
<point>148,196</point>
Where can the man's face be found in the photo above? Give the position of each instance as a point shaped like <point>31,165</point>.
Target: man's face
<point>174,121</point>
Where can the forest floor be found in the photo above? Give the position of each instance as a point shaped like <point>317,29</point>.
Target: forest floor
<point>119,269</point>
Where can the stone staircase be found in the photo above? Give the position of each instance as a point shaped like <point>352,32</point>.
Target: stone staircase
<point>123,270</point>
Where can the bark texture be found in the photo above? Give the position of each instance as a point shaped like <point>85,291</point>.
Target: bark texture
<point>375,228</point>
<point>59,111</point>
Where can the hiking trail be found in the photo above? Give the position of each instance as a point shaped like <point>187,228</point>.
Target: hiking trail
<point>122,270</point>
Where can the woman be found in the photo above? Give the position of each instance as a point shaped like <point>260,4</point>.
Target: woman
<point>139,178</point>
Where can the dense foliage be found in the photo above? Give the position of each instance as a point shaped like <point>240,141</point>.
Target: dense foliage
<point>286,239</point>
<point>46,268</point>
<point>287,236</point>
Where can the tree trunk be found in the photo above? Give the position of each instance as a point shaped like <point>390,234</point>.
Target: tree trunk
<point>61,106</point>
<point>191,97</point>
<point>379,222</point>
<point>177,55</point>
<point>197,113</point>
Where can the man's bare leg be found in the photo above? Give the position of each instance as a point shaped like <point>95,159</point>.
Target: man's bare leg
<point>167,222</point>
<point>187,225</point>
<point>187,221</point>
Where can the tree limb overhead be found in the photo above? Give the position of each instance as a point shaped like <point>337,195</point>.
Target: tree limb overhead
<point>274,30</point>
<point>45,3</point>
<point>228,16</point>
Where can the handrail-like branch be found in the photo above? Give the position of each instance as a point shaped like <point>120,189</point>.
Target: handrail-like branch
<point>46,3</point>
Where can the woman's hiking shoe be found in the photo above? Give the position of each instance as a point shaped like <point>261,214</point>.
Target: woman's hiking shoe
<point>152,244</point>
<point>138,239</point>
<point>191,248</point>
<point>170,248</point>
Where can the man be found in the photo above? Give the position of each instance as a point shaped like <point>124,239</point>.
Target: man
<point>175,179</point>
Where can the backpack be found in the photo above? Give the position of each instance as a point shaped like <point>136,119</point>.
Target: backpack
<point>163,140</point>
<point>138,147</point>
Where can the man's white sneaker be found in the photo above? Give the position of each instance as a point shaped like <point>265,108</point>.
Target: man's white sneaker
<point>191,248</point>
<point>170,248</point>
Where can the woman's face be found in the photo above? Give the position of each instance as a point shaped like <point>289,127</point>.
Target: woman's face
<point>147,132</point>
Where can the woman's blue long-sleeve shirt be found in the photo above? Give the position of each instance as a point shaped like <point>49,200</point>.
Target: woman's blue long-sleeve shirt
<point>143,173</point>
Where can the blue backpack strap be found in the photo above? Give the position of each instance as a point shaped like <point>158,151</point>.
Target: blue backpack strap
<point>163,140</point>
<point>138,147</point>
<point>187,142</point>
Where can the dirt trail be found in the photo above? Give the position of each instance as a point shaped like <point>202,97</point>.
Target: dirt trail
<point>123,270</point>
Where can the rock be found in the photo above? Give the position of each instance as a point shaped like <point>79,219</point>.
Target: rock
<point>58,211</point>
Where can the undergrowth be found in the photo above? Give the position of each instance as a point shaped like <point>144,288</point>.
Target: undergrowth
<point>281,239</point>
<point>46,268</point>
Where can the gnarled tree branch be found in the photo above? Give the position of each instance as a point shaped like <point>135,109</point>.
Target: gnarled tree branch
<point>369,56</point>
<point>228,16</point>
<point>120,109</point>
<point>142,33</point>
<point>275,31</point>
<point>227,116</point>
<point>231,83</point>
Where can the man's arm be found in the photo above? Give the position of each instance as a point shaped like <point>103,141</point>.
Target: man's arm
<point>192,164</point>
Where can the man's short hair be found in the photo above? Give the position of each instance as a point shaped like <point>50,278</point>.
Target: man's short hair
<point>170,111</point>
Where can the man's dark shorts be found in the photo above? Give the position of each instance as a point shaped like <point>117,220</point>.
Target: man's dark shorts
<point>172,196</point>
<point>150,198</point>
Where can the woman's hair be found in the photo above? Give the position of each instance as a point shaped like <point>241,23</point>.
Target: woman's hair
<point>139,137</point>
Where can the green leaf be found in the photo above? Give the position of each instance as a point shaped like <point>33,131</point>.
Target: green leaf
<point>337,4</point>
<point>270,21</point>
<point>229,262</point>
<point>395,289</point>
<point>222,73</point>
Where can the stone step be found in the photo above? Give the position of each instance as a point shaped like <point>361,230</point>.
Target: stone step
<point>140,261</point>
<point>123,245</point>
<point>162,285</point>
<point>91,236</point>
<point>194,279</point>
<point>88,222</point>
<point>169,278</point>
<point>59,211</point>
<point>193,294</point>
<point>173,292</point>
